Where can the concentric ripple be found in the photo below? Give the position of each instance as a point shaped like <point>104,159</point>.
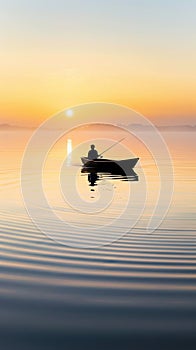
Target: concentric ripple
<point>139,290</point>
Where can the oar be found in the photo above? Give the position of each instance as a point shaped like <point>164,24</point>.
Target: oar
<point>111,146</point>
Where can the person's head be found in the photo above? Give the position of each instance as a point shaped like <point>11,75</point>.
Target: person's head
<point>92,146</point>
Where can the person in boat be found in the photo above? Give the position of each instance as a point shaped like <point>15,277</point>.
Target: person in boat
<point>93,154</point>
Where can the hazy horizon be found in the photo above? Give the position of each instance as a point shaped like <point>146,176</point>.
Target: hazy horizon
<point>134,125</point>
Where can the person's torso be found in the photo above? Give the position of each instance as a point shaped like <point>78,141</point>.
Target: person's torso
<point>92,154</point>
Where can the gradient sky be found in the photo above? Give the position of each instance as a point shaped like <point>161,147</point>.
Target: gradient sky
<point>139,53</point>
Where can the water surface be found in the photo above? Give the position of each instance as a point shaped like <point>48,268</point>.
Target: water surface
<point>138,292</point>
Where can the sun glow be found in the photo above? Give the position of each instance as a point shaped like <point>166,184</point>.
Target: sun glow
<point>69,113</point>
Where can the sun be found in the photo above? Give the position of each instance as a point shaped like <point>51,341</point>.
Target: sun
<point>69,113</point>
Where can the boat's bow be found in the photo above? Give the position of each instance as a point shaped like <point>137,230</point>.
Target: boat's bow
<point>84,160</point>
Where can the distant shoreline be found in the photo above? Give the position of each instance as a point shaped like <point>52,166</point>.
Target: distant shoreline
<point>134,127</point>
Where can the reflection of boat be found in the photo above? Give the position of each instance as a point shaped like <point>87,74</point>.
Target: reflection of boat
<point>93,177</point>
<point>108,165</point>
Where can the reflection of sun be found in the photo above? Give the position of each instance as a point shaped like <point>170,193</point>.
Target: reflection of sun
<point>69,147</point>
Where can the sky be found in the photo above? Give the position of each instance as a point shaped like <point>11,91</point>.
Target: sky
<point>57,54</point>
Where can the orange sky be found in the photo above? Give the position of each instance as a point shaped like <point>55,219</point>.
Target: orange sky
<point>45,69</point>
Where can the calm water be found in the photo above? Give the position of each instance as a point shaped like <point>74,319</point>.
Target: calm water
<point>137,293</point>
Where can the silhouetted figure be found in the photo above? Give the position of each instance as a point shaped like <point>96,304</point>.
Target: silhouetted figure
<point>92,154</point>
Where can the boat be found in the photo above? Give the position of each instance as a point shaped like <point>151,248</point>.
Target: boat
<point>109,165</point>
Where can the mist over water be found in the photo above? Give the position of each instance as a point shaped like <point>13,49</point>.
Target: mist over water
<point>138,291</point>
